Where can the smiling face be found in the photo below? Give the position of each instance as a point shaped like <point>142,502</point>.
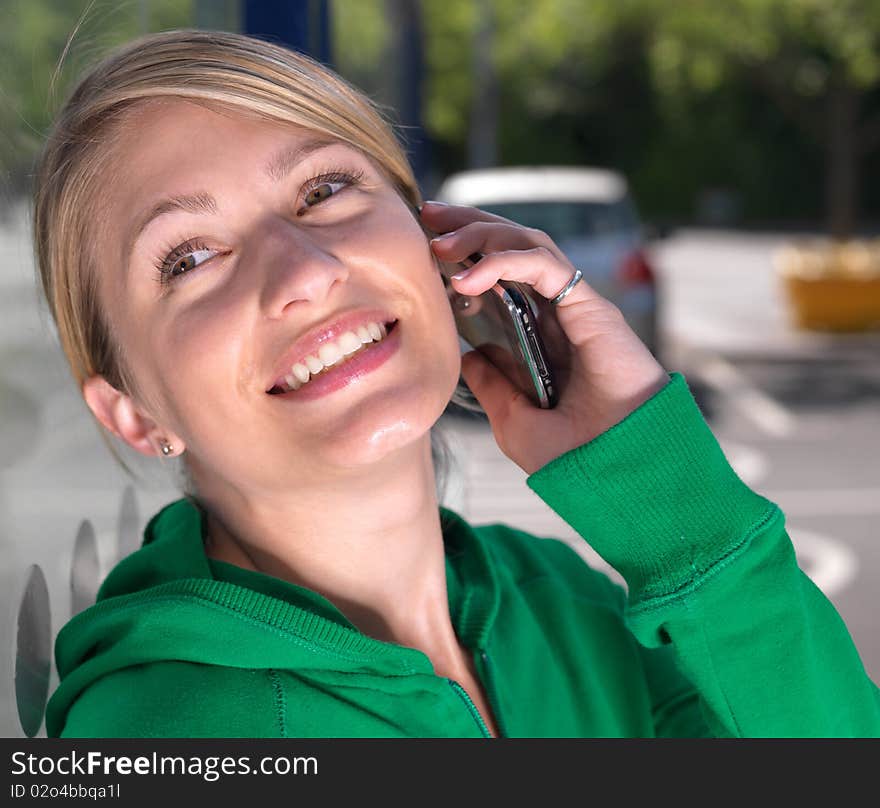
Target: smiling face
<point>230,246</point>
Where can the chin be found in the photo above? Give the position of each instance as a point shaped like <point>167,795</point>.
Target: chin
<point>381,426</point>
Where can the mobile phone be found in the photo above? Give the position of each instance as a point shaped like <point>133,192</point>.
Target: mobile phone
<point>507,324</point>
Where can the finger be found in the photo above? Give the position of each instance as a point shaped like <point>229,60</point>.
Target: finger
<point>442,218</point>
<point>489,237</point>
<point>497,395</point>
<point>537,267</point>
<point>581,315</point>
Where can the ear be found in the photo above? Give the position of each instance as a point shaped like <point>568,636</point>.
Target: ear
<point>118,413</point>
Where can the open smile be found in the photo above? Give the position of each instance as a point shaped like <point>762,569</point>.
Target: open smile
<point>347,370</point>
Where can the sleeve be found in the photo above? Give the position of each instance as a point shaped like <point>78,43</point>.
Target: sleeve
<point>714,589</point>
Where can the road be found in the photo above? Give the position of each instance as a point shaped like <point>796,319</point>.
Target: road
<point>796,414</point>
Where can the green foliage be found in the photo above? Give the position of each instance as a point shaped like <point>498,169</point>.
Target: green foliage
<point>449,27</point>
<point>682,95</point>
<point>360,36</point>
<point>698,44</point>
<point>36,34</point>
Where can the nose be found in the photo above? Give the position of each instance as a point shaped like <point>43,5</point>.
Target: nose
<point>293,266</point>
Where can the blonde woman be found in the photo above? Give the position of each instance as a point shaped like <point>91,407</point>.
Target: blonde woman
<point>231,243</point>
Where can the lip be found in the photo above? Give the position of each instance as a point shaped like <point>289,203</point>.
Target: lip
<point>350,372</point>
<point>314,338</point>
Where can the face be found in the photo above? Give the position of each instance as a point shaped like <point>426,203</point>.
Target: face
<point>226,240</point>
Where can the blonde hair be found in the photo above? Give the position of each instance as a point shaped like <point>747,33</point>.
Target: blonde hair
<point>219,69</point>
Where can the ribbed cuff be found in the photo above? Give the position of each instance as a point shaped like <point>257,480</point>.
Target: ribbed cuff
<point>654,495</point>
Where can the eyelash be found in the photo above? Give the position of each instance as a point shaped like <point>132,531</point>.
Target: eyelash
<point>168,257</point>
<point>331,175</point>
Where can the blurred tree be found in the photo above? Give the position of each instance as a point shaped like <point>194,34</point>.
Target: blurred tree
<point>219,15</point>
<point>816,60</point>
<point>483,128</point>
<point>44,45</point>
<point>682,96</point>
<point>379,47</point>
<point>404,65</point>
<point>509,81</point>
<point>360,41</point>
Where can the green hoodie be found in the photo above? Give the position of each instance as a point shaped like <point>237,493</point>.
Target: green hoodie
<point>718,632</point>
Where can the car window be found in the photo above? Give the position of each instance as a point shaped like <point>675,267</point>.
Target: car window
<point>570,220</point>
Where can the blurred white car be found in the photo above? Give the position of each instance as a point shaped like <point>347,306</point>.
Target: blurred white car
<point>590,215</point>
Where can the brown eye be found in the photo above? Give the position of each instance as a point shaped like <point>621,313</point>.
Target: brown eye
<point>184,264</point>
<point>184,259</point>
<point>320,193</point>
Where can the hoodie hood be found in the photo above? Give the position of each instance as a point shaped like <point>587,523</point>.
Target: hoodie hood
<point>170,601</point>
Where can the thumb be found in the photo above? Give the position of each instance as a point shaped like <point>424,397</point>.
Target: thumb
<point>495,392</point>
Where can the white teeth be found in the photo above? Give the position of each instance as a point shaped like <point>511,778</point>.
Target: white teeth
<point>331,353</point>
<point>315,365</point>
<point>300,371</point>
<point>349,342</point>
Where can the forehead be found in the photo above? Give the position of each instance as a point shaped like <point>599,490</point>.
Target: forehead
<point>171,136</point>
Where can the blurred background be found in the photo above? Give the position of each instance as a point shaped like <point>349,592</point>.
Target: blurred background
<point>712,167</point>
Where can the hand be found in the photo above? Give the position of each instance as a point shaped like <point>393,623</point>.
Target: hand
<point>612,372</point>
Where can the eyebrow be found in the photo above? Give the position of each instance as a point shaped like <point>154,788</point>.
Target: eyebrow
<point>276,169</point>
<point>283,162</point>
<point>190,203</point>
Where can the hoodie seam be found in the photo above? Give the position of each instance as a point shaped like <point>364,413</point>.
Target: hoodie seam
<point>699,577</point>
<point>300,640</point>
<point>309,645</point>
<point>280,701</point>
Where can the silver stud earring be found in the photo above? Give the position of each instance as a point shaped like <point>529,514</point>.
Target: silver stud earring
<point>166,447</point>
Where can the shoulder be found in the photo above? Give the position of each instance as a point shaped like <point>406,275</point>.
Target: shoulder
<point>175,699</point>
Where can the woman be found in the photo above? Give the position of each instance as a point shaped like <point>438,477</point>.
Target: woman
<point>218,219</point>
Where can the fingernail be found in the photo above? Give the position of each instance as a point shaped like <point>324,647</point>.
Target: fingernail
<point>462,275</point>
<point>436,203</point>
<point>443,236</point>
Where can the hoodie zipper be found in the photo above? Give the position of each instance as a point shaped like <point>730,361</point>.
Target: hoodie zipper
<point>491,693</point>
<point>482,660</point>
<point>471,707</point>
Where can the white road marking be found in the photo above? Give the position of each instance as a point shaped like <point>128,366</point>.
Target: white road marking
<point>768,414</point>
<point>831,565</point>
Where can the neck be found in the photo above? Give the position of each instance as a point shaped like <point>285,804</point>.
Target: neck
<point>373,547</point>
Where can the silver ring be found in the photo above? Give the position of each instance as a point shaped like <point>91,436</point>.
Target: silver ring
<point>568,287</point>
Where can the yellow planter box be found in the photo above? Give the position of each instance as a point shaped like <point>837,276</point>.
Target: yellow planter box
<point>832,286</point>
<point>834,304</point>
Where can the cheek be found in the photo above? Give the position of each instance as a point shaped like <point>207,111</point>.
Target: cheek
<point>400,259</point>
<point>392,232</point>
<point>198,358</point>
